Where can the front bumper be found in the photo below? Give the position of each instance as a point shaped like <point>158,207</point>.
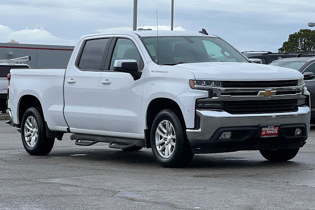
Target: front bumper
<point>245,129</point>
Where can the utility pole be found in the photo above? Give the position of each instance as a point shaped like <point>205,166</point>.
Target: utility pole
<point>135,14</point>
<point>172,15</point>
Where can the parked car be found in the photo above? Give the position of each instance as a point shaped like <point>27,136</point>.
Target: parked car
<point>5,68</point>
<point>267,57</point>
<point>305,65</point>
<point>177,93</point>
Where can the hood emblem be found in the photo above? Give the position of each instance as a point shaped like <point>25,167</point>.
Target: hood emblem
<point>267,93</point>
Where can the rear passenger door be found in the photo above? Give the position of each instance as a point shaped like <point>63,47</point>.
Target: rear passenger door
<point>81,88</point>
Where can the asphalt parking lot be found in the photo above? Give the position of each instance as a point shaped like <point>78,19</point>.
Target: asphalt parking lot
<point>96,177</point>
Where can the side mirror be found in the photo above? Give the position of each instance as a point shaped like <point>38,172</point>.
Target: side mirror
<point>128,66</point>
<point>308,75</point>
<point>255,60</point>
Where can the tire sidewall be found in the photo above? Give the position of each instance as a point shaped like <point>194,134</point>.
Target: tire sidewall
<point>41,130</point>
<point>179,142</point>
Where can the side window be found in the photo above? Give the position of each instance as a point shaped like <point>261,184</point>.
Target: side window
<point>310,68</point>
<point>93,54</point>
<point>126,49</point>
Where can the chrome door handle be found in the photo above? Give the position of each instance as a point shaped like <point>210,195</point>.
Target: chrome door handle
<point>71,81</point>
<point>106,82</point>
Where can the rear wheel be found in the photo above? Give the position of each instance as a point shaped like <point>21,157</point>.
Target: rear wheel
<point>169,144</point>
<point>279,155</point>
<point>33,133</point>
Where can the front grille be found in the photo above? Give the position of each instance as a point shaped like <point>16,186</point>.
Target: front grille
<point>260,83</point>
<point>256,107</point>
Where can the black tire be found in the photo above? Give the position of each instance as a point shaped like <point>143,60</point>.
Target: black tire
<point>177,150</point>
<point>279,155</point>
<point>132,149</point>
<point>33,125</point>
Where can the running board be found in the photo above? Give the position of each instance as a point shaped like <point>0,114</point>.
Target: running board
<point>119,143</point>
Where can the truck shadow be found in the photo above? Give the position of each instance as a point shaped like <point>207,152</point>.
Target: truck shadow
<point>145,159</point>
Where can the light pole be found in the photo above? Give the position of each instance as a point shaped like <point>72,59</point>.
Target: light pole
<point>135,13</point>
<point>311,24</point>
<point>172,15</point>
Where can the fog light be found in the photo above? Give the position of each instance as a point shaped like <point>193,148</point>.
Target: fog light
<point>226,135</point>
<point>298,132</point>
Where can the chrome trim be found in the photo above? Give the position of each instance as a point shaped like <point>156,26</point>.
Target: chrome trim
<point>210,121</point>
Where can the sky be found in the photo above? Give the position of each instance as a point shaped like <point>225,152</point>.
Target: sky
<point>249,25</point>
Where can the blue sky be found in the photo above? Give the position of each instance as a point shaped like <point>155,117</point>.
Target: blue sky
<point>246,24</point>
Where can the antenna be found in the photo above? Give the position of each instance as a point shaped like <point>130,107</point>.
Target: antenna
<point>157,37</point>
<point>203,31</point>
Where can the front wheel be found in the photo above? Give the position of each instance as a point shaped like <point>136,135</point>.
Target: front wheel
<point>279,155</point>
<point>33,133</point>
<point>169,144</point>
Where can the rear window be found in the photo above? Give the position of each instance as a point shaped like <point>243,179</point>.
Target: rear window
<point>5,69</point>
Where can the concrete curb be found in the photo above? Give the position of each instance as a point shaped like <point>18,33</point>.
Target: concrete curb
<point>4,117</point>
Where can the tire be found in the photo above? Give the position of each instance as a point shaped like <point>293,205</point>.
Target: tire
<point>279,155</point>
<point>33,133</point>
<point>132,149</point>
<point>169,143</point>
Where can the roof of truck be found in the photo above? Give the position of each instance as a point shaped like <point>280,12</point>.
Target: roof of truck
<point>151,33</point>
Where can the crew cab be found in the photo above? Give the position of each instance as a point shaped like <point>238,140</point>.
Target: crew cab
<point>175,92</point>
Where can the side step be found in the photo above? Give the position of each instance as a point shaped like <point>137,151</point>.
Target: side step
<point>118,143</point>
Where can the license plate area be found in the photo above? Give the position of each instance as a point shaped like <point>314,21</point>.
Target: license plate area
<point>270,131</point>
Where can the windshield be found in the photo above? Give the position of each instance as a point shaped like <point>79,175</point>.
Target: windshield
<point>187,49</point>
<point>289,64</point>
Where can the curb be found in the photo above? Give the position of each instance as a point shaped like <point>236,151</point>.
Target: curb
<point>4,117</point>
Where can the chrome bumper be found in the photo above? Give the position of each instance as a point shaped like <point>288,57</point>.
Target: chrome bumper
<point>211,121</point>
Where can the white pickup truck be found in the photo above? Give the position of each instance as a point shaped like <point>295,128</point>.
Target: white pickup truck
<point>178,93</point>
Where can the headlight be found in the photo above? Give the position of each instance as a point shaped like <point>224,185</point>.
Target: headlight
<point>204,84</point>
<point>300,81</point>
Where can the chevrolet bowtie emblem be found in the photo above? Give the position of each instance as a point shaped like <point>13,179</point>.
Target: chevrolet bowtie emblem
<point>267,93</point>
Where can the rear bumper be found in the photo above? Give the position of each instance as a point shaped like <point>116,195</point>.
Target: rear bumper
<point>245,129</point>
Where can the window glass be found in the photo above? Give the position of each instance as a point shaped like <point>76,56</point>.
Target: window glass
<point>92,56</point>
<point>289,64</point>
<point>310,68</point>
<point>172,50</point>
<point>5,69</point>
<point>126,49</point>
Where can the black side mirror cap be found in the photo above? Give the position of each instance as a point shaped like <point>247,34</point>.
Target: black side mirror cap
<point>308,75</point>
<point>128,66</point>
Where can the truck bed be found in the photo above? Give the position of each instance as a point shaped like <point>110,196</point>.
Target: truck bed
<point>47,86</point>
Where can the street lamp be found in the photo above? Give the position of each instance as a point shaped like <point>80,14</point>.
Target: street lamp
<point>311,24</point>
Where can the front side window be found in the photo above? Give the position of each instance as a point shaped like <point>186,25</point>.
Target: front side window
<point>93,54</point>
<point>190,49</point>
<point>125,49</point>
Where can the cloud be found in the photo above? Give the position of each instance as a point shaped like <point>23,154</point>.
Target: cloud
<point>34,36</point>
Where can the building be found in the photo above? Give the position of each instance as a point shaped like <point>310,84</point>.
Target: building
<point>42,56</point>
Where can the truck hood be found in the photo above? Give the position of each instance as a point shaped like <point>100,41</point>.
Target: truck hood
<point>232,71</point>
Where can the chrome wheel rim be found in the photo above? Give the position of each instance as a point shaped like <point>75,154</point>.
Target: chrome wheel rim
<point>30,131</point>
<point>165,139</point>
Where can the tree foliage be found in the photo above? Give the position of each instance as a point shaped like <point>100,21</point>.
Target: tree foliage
<point>302,41</point>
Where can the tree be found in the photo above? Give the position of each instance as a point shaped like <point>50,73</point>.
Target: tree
<point>302,41</point>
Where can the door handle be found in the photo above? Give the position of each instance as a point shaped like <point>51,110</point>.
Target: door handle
<point>106,82</point>
<point>71,81</point>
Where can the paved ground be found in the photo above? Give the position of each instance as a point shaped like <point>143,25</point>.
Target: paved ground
<point>74,177</point>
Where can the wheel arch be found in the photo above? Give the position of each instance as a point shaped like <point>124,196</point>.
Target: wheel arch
<point>154,107</point>
<point>26,102</point>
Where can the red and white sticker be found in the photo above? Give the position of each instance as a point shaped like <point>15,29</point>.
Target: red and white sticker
<point>269,131</point>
